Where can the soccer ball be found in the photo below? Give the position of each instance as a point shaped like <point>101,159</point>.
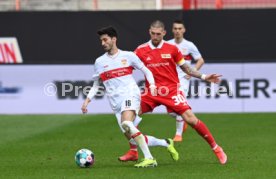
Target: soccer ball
<point>84,158</point>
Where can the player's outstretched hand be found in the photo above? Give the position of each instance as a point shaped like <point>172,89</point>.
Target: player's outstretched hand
<point>84,109</point>
<point>213,78</point>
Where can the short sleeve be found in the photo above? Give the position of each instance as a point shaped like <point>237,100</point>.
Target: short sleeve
<point>178,57</point>
<point>195,52</point>
<point>135,61</point>
<point>96,74</point>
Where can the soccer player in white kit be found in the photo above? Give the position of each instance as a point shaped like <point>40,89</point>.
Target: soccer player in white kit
<point>190,52</point>
<point>114,69</point>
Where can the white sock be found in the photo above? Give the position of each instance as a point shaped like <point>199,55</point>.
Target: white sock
<point>138,137</point>
<point>137,121</point>
<point>179,125</point>
<point>152,141</point>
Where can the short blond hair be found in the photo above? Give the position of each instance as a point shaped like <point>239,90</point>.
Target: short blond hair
<point>157,24</point>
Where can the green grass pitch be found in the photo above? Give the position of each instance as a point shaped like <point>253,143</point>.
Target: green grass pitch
<point>43,146</point>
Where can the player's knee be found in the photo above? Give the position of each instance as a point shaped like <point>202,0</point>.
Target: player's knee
<point>126,125</point>
<point>191,119</point>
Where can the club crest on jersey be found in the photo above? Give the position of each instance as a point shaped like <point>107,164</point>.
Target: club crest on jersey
<point>124,62</point>
<point>166,56</point>
<point>184,50</point>
<point>148,58</point>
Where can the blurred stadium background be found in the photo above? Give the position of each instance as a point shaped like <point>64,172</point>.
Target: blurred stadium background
<point>95,5</point>
<point>47,51</point>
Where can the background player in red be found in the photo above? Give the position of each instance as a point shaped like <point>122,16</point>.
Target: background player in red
<point>161,58</point>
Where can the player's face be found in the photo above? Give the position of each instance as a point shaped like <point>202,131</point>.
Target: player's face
<point>107,42</point>
<point>156,35</point>
<point>178,30</point>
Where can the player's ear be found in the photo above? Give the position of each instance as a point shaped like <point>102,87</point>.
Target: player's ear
<point>184,30</point>
<point>114,39</point>
<point>164,32</point>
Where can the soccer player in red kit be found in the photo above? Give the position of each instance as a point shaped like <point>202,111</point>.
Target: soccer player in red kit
<point>161,59</point>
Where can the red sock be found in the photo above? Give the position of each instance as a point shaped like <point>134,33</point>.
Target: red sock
<point>202,130</point>
<point>132,147</point>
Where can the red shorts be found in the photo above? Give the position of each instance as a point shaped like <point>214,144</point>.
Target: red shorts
<point>174,102</point>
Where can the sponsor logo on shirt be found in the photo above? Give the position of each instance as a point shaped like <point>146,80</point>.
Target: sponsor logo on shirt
<point>148,58</point>
<point>158,64</point>
<point>116,73</point>
<point>166,56</point>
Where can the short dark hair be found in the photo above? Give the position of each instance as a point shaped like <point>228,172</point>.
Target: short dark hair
<point>179,22</point>
<point>110,31</point>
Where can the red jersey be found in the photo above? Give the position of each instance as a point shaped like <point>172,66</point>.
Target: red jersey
<point>161,61</point>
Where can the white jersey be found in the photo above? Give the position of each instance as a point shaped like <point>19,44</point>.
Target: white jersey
<point>116,74</point>
<point>189,51</point>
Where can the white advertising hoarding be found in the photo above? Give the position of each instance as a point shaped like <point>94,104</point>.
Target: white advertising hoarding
<point>60,89</point>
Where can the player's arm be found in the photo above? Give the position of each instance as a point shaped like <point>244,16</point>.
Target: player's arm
<point>200,62</point>
<point>213,78</point>
<point>197,56</point>
<point>198,65</point>
<point>150,79</point>
<point>138,64</point>
<point>93,91</point>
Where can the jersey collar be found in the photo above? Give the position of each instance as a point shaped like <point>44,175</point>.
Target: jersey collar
<point>159,46</point>
<point>113,56</point>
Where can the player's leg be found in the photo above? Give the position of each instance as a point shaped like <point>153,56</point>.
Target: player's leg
<point>181,125</point>
<point>203,131</point>
<point>129,110</point>
<point>168,143</point>
<point>179,104</point>
<point>155,142</point>
<point>146,105</point>
<point>128,117</point>
<point>132,153</point>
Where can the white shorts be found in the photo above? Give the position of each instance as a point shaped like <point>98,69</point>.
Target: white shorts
<point>129,103</point>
